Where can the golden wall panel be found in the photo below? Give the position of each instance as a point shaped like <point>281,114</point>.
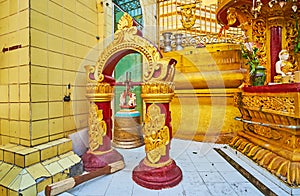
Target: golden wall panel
<point>39,93</point>
<point>68,77</point>
<point>55,11</point>
<point>69,32</point>
<point>55,27</point>
<point>55,76</point>
<point>39,56</point>
<point>14,111</point>
<point>69,18</point>
<point>57,136</point>
<point>14,129</point>
<point>13,75</point>
<point>4,93</point>
<point>70,5</point>
<point>39,110</point>
<point>25,111</point>
<point>43,140</point>
<point>24,77</point>
<point>39,20</point>
<point>25,130</point>
<point>4,76</point>
<point>56,92</point>
<point>55,60</point>
<point>47,151</point>
<point>55,43</point>
<point>69,123</point>
<point>41,6</point>
<point>38,38</point>
<point>14,93</point>
<point>69,48</point>
<point>55,109</point>
<point>39,75</point>
<point>4,9</point>
<point>39,129</point>
<point>4,111</point>
<point>4,127</point>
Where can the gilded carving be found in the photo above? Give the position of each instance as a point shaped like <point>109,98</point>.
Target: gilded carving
<point>97,127</point>
<point>157,135</point>
<point>259,37</point>
<point>284,169</point>
<point>277,104</point>
<point>158,87</point>
<point>240,14</point>
<point>128,39</point>
<point>125,22</point>
<point>265,131</point>
<point>188,14</point>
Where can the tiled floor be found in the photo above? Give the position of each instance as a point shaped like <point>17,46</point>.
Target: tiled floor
<point>205,173</point>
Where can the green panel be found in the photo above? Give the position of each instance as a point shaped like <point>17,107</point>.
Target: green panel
<point>130,63</point>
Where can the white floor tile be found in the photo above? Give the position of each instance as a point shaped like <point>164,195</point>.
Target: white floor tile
<point>205,173</point>
<point>245,188</point>
<point>211,177</point>
<point>223,189</point>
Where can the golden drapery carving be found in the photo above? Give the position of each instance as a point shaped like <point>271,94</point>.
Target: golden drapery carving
<point>97,127</point>
<point>157,135</point>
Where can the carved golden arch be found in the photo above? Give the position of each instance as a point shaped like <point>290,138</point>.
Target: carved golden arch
<point>125,42</point>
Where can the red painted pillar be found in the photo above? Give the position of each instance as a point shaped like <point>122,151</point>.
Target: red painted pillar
<point>157,170</point>
<point>275,48</point>
<point>100,151</point>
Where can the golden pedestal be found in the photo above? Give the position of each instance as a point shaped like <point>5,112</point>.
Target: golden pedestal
<point>127,129</point>
<point>271,131</point>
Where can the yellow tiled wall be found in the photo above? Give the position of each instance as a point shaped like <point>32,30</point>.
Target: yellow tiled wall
<point>60,40</point>
<point>14,71</point>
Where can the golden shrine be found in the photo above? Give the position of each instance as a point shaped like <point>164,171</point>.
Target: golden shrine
<point>270,113</point>
<point>188,91</point>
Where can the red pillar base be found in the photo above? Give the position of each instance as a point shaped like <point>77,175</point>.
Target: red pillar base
<point>157,178</point>
<point>93,161</point>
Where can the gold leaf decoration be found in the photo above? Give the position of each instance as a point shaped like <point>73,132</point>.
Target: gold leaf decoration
<point>157,135</point>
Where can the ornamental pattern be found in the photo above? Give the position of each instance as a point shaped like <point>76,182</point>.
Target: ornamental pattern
<point>157,135</point>
<point>129,39</point>
<point>277,104</point>
<point>97,127</point>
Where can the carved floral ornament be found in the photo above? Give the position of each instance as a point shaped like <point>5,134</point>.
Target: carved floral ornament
<point>278,104</point>
<point>157,135</point>
<point>97,127</point>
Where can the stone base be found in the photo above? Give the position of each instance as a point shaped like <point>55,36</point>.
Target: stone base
<point>127,130</point>
<point>157,178</point>
<point>28,170</point>
<point>93,161</point>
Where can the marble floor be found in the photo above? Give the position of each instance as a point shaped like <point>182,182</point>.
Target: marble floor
<point>205,172</point>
